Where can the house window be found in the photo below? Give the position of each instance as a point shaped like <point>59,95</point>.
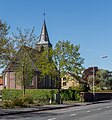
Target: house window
<point>64,83</point>
<point>49,81</point>
<point>44,81</point>
<point>30,82</point>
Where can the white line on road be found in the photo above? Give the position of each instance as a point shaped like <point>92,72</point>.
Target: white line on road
<point>72,114</point>
<point>107,107</point>
<point>52,119</point>
<point>88,111</point>
<point>99,108</point>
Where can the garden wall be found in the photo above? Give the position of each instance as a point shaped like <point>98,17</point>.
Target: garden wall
<point>89,97</point>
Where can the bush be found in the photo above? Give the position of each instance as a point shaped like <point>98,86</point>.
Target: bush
<point>8,94</point>
<point>70,94</point>
<point>8,104</point>
<point>23,101</point>
<point>40,95</point>
<point>28,99</point>
<point>18,102</point>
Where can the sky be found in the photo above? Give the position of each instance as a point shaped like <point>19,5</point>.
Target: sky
<point>84,22</point>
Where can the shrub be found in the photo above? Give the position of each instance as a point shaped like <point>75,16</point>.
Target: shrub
<point>9,94</point>
<point>8,104</point>
<point>23,101</point>
<point>18,102</point>
<point>77,96</point>
<point>70,94</point>
<point>28,99</point>
<point>40,95</point>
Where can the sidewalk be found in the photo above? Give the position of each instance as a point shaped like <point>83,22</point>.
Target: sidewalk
<point>38,108</point>
<point>45,107</point>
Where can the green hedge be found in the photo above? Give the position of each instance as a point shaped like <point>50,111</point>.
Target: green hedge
<point>40,94</point>
<point>70,95</point>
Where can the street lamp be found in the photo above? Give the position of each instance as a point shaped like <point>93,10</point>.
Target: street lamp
<point>103,57</point>
<point>23,79</point>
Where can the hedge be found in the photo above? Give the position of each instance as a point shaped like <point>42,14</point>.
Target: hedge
<point>40,94</point>
<point>10,94</point>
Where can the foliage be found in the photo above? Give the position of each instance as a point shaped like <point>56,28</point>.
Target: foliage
<point>67,58</point>
<point>24,37</point>
<point>6,46</point>
<point>45,63</point>
<point>23,101</point>
<point>84,87</point>
<point>103,79</point>
<point>18,102</point>
<point>40,94</point>
<point>109,81</point>
<point>8,104</point>
<point>23,65</point>
<point>8,94</point>
<point>17,99</point>
<point>70,94</point>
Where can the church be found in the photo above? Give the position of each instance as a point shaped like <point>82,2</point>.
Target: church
<point>9,73</point>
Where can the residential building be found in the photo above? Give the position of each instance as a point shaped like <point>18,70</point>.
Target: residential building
<point>69,80</point>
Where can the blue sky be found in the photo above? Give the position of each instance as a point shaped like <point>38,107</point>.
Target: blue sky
<point>84,22</point>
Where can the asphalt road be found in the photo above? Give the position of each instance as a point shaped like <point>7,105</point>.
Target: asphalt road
<point>101,111</point>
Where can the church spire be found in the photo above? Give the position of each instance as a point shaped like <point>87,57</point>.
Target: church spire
<point>44,38</point>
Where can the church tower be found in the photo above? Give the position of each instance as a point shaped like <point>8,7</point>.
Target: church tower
<point>44,42</point>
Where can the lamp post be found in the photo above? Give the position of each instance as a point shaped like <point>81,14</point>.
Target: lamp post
<point>23,79</point>
<point>103,57</point>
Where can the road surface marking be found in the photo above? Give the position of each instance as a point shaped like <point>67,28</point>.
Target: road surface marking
<point>88,111</point>
<point>99,108</point>
<point>52,119</point>
<point>107,107</point>
<point>72,114</point>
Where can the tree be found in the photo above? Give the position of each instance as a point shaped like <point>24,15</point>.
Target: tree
<point>45,64</point>
<point>102,78</point>
<point>88,75</point>
<point>67,58</point>
<point>24,67</point>
<point>25,37</point>
<point>109,80</point>
<point>6,46</point>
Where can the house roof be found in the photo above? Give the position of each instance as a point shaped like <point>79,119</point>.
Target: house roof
<point>80,80</point>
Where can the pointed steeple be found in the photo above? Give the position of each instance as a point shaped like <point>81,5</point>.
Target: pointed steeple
<point>44,38</point>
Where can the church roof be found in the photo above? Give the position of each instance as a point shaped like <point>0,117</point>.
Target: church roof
<point>44,38</point>
<point>30,54</point>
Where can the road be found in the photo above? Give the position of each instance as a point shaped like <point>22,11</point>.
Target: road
<point>101,111</point>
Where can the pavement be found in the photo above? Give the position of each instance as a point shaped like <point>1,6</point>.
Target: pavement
<point>44,108</point>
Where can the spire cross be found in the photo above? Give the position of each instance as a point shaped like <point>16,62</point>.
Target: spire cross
<point>44,14</point>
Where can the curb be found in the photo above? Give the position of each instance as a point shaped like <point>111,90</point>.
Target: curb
<point>41,109</point>
<point>51,108</point>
